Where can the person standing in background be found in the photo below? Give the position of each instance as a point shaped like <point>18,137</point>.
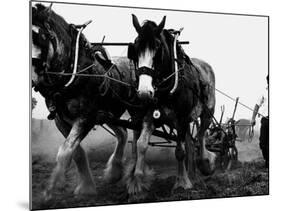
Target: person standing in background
<point>262,110</point>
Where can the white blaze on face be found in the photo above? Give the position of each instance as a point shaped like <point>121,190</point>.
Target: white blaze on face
<point>145,81</point>
<point>35,29</point>
<point>146,58</point>
<point>36,53</point>
<point>34,76</point>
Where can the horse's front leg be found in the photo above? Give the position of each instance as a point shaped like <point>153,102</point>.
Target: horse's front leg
<point>68,150</point>
<point>183,152</point>
<point>141,175</point>
<point>207,162</point>
<point>130,168</point>
<point>86,183</point>
<point>114,167</point>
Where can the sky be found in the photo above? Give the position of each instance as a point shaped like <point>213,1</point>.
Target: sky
<point>235,46</point>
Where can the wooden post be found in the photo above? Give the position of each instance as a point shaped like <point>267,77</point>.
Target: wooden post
<point>222,113</point>
<point>126,43</point>
<point>235,107</point>
<point>102,41</point>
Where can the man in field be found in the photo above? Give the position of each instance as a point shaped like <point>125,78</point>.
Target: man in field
<point>264,130</point>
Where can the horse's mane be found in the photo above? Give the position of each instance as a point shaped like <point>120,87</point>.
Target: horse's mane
<point>180,52</point>
<point>40,11</point>
<point>147,27</point>
<point>40,7</point>
<point>147,34</point>
<point>40,15</point>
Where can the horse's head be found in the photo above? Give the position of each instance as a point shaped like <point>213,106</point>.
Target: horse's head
<point>145,52</point>
<point>51,45</point>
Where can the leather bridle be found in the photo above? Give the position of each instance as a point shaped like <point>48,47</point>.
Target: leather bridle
<point>47,35</point>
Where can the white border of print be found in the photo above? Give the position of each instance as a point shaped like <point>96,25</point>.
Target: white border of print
<point>15,103</point>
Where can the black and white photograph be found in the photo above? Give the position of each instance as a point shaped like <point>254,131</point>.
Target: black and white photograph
<point>138,105</point>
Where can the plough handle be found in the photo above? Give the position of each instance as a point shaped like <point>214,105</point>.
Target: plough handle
<point>222,113</point>
<point>236,103</point>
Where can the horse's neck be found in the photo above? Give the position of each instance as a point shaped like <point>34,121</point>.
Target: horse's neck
<point>167,65</point>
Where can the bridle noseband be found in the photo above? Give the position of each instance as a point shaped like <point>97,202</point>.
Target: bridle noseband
<point>46,35</point>
<point>146,71</point>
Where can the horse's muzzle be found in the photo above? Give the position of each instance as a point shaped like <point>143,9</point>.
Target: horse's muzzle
<point>145,88</point>
<point>146,96</point>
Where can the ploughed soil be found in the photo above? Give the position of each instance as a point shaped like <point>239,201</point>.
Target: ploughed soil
<point>248,177</point>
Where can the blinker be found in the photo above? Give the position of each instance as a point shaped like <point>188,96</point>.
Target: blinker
<point>131,53</point>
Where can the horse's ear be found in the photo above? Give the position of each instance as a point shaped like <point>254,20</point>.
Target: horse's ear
<point>131,54</point>
<point>49,9</point>
<point>161,25</point>
<point>136,23</point>
<point>33,10</point>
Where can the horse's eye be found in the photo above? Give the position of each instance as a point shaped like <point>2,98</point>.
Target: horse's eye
<point>43,36</point>
<point>157,43</point>
<point>47,26</point>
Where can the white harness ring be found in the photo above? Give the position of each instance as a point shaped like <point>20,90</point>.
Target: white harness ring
<point>176,63</point>
<point>76,53</point>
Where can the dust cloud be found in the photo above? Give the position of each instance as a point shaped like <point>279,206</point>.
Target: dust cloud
<point>99,144</point>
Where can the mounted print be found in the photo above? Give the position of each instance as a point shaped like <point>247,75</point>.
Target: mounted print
<point>136,105</point>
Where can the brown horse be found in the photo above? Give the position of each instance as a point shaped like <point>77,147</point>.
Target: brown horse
<point>80,102</point>
<point>193,97</point>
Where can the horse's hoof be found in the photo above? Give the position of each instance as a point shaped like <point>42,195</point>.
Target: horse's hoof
<point>138,185</point>
<point>85,189</point>
<point>183,184</point>
<point>138,197</point>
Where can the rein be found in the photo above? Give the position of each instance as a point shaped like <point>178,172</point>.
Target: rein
<point>175,68</point>
<point>171,75</point>
<point>79,74</point>
<point>76,73</point>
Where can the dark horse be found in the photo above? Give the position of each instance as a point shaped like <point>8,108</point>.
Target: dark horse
<point>80,102</point>
<point>192,98</point>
